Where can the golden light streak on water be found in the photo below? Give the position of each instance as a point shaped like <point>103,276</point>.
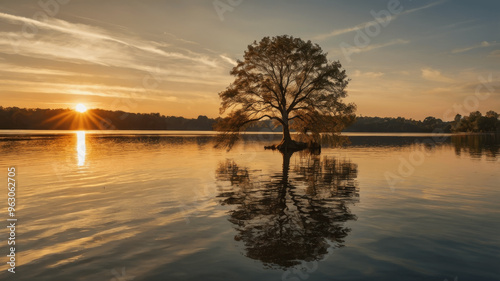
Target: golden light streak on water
<point>81,147</point>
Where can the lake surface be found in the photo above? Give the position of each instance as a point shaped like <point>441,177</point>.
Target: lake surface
<point>168,206</point>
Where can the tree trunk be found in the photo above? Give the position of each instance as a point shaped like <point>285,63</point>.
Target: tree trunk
<point>286,142</point>
<point>287,139</point>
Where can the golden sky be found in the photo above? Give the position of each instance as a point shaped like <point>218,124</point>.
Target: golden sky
<point>405,58</point>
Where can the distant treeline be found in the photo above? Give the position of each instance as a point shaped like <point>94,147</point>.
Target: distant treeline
<point>98,119</point>
<point>399,124</point>
<point>475,122</point>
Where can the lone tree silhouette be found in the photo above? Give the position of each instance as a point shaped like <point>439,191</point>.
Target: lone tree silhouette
<point>291,82</point>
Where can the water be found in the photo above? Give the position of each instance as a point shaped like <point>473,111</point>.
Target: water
<point>168,206</point>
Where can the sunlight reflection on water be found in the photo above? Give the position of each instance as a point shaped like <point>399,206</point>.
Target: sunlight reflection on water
<point>81,148</point>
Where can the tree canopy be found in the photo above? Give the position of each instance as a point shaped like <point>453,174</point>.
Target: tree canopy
<point>291,82</point>
<point>476,122</point>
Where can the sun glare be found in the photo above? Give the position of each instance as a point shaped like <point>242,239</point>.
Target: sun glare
<point>81,108</point>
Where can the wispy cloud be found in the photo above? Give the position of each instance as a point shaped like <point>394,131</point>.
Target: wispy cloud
<point>376,21</point>
<point>495,54</point>
<point>371,47</point>
<point>229,60</point>
<point>456,24</point>
<point>5,67</point>
<point>368,74</point>
<point>100,90</point>
<point>483,44</point>
<point>435,75</point>
<point>74,43</point>
<point>94,34</point>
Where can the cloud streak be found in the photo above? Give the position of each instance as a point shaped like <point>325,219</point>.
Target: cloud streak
<point>376,21</point>
<point>85,32</point>
<point>12,68</point>
<point>99,90</point>
<point>371,47</point>
<point>435,75</point>
<point>66,44</point>
<point>229,60</point>
<point>369,74</point>
<point>484,44</point>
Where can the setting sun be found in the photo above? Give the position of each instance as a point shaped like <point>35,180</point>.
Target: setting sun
<point>81,108</point>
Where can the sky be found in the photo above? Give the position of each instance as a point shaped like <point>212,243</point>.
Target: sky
<point>405,58</point>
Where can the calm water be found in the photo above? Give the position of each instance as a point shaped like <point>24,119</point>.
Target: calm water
<point>136,206</point>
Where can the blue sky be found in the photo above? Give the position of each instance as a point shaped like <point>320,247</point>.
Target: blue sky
<point>429,58</point>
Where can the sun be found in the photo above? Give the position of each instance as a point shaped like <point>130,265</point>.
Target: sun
<point>81,108</point>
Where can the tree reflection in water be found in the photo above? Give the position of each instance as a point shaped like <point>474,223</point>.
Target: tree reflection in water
<point>477,145</point>
<point>292,216</point>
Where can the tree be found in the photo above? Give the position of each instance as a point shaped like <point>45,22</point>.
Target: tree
<point>475,122</point>
<point>492,114</point>
<point>291,82</point>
